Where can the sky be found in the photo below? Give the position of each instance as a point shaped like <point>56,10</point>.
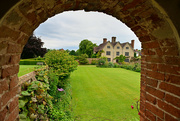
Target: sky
<point>66,30</point>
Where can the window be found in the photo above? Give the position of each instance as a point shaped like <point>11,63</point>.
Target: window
<point>108,53</point>
<point>117,53</point>
<point>126,60</point>
<point>126,53</point>
<point>127,47</point>
<point>108,46</point>
<point>118,47</point>
<point>109,59</point>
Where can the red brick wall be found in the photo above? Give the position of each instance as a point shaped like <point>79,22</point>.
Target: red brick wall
<point>160,75</point>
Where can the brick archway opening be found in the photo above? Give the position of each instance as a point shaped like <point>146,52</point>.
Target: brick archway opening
<point>160,85</point>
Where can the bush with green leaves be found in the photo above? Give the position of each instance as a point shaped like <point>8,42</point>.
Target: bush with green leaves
<point>94,62</point>
<point>102,62</point>
<point>34,101</point>
<point>61,62</point>
<point>83,59</point>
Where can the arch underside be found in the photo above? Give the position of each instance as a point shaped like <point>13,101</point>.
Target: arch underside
<point>160,45</point>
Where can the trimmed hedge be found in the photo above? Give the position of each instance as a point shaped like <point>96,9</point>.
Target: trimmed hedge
<point>30,62</point>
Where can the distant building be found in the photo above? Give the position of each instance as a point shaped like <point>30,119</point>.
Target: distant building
<point>138,52</point>
<point>113,49</point>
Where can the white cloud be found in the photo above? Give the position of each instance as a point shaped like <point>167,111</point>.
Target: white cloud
<point>66,30</point>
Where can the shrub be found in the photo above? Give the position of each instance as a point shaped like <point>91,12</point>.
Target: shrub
<point>116,65</point>
<point>61,62</point>
<point>102,62</point>
<point>34,101</point>
<point>111,65</point>
<point>30,62</point>
<point>94,62</point>
<point>83,59</point>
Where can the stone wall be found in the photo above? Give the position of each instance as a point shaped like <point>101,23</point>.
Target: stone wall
<point>160,74</point>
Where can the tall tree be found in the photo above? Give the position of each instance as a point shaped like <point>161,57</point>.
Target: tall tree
<point>33,48</point>
<point>86,47</point>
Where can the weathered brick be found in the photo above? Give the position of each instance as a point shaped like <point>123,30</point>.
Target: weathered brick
<point>3,47</point>
<point>155,75</point>
<point>10,71</point>
<point>23,40</point>
<point>169,69</point>
<point>155,110</point>
<point>170,88</point>
<point>154,59</point>
<point>151,66</point>
<point>173,100</point>
<point>175,60</point>
<point>155,92</point>
<point>150,116</point>
<point>150,99</point>
<point>173,50</point>
<point>9,95</point>
<point>170,109</point>
<point>13,115</point>
<point>13,104</point>
<point>148,45</point>
<point>4,60</point>
<point>151,82</point>
<point>132,4</point>
<point>3,114</point>
<point>13,48</point>
<point>6,32</point>
<point>4,86</point>
<point>172,79</point>
<point>145,38</point>
<point>15,59</point>
<point>149,52</point>
<point>170,118</point>
<point>13,82</point>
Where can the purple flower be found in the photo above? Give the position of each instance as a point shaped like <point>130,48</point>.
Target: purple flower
<point>61,89</point>
<point>132,107</point>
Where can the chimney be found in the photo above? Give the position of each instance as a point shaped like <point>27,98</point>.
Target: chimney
<point>104,40</point>
<point>132,43</point>
<point>113,39</point>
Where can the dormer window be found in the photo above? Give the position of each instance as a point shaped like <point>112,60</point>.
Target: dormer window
<point>118,47</point>
<point>127,47</point>
<point>108,46</point>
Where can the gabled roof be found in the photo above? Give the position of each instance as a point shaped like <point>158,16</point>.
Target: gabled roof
<point>101,46</point>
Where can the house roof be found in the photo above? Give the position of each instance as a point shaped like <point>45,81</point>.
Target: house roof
<point>101,46</point>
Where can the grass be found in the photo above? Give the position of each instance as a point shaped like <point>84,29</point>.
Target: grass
<point>25,69</point>
<point>101,94</point>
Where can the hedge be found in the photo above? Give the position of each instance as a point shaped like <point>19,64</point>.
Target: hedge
<point>30,62</point>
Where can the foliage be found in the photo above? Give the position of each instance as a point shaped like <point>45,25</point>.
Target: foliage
<point>72,52</point>
<point>34,100</point>
<point>86,47</point>
<point>83,59</point>
<point>61,62</point>
<point>33,48</point>
<point>136,104</point>
<point>120,58</point>
<point>111,65</point>
<point>94,62</point>
<point>134,67</point>
<point>30,62</point>
<point>102,61</point>
<point>98,54</point>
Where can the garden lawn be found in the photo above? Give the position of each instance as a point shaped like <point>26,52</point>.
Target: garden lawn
<point>104,93</point>
<point>25,69</point>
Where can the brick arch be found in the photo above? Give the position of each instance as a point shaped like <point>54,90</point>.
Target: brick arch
<point>160,85</point>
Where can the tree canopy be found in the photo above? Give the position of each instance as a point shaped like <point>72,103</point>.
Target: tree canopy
<point>33,48</point>
<point>86,47</point>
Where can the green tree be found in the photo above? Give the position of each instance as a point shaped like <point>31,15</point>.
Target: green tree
<point>72,52</point>
<point>83,59</point>
<point>120,58</point>
<point>86,47</point>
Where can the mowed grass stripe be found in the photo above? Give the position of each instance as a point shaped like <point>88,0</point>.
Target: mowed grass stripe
<point>104,92</point>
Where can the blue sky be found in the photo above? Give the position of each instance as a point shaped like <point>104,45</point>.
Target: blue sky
<point>68,29</point>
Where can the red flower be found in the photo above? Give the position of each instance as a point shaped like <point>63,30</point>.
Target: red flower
<point>132,107</point>
<point>139,113</point>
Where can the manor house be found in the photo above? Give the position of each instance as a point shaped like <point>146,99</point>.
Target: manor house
<point>113,49</point>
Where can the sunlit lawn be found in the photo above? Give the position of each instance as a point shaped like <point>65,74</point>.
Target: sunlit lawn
<point>25,69</point>
<point>101,94</point>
